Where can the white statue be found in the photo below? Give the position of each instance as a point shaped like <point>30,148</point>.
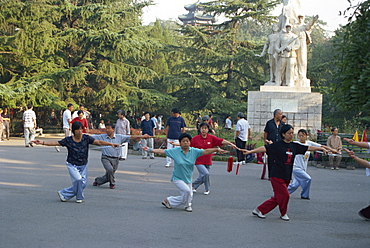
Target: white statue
<point>287,46</point>
<point>273,57</point>
<point>303,31</point>
<point>289,14</point>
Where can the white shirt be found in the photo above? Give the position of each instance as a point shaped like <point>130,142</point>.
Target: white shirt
<point>242,125</point>
<point>228,123</point>
<point>301,161</point>
<point>29,116</point>
<point>67,116</point>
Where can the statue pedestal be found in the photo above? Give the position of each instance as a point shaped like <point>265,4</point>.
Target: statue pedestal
<point>302,108</point>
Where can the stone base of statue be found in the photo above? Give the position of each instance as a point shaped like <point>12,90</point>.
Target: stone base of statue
<point>302,108</point>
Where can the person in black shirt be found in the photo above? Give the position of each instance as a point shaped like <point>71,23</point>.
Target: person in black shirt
<point>77,160</point>
<point>272,133</point>
<point>283,152</point>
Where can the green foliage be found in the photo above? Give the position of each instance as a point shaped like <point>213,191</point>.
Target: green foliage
<point>218,68</point>
<point>353,60</point>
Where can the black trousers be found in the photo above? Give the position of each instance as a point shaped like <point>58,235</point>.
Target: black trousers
<point>241,144</point>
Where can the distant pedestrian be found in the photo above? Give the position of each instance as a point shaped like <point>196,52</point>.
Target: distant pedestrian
<point>228,123</point>
<point>67,119</point>
<point>77,160</point>
<point>243,132</point>
<point>122,127</point>
<point>29,125</point>
<point>155,120</point>
<point>147,126</point>
<point>184,157</point>
<point>175,127</point>
<point>6,122</point>
<point>101,124</point>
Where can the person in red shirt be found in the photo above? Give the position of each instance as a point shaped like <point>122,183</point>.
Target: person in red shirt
<point>205,140</point>
<point>81,118</point>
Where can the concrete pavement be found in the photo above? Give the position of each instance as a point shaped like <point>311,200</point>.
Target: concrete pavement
<point>132,215</point>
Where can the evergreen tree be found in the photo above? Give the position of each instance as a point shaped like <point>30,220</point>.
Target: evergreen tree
<point>91,52</point>
<point>351,88</point>
<point>219,67</point>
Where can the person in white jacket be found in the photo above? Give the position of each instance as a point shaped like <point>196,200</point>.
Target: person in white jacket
<point>300,176</point>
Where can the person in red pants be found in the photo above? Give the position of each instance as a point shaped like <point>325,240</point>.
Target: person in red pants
<point>284,152</point>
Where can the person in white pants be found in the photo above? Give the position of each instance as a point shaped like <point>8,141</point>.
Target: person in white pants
<point>300,176</point>
<point>184,158</point>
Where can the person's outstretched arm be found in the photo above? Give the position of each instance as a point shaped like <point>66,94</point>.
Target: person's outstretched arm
<point>45,143</point>
<point>257,150</point>
<point>212,150</point>
<point>357,143</point>
<point>158,151</point>
<point>361,161</point>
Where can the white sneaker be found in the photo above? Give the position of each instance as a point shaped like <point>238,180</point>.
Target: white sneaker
<point>79,201</point>
<point>168,165</point>
<point>61,197</point>
<point>188,209</point>
<point>285,217</point>
<point>57,149</point>
<point>206,192</point>
<point>258,213</point>
<point>194,190</point>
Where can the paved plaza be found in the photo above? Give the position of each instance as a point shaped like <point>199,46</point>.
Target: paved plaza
<point>132,215</point>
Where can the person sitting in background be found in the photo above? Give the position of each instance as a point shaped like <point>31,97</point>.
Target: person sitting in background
<point>335,142</point>
<point>101,124</point>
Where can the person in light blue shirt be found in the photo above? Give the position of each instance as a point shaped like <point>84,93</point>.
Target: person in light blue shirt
<point>184,158</point>
<point>110,155</point>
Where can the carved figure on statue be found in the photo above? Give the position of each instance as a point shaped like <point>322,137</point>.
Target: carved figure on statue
<point>289,13</point>
<point>273,56</point>
<point>286,46</point>
<point>303,32</point>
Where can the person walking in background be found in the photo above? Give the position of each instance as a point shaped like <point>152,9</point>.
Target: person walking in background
<point>80,118</point>
<point>110,155</point>
<point>335,142</point>
<point>160,122</point>
<point>365,212</point>
<point>243,132</point>
<point>67,118</point>
<point>284,153</point>
<point>228,123</point>
<point>77,160</point>
<point>147,126</point>
<point>29,125</point>
<point>175,127</point>
<point>1,125</point>
<point>210,122</point>
<point>155,121</point>
<point>122,127</point>
<point>6,122</point>
<point>272,133</point>
<point>184,157</point>
<point>204,140</point>
<point>198,121</point>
